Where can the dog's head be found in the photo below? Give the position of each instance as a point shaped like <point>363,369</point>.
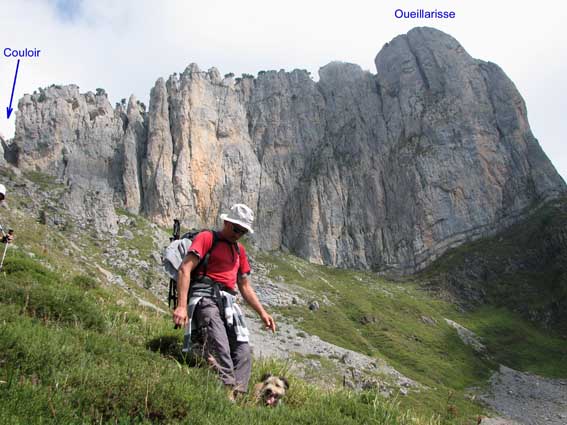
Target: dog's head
<point>272,389</point>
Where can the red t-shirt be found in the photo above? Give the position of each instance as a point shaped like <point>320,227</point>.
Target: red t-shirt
<point>224,262</point>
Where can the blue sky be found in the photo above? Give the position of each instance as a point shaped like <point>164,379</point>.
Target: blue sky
<point>124,46</point>
<point>67,10</point>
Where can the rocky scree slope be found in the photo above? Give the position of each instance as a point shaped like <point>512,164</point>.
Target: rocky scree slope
<point>383,171</point>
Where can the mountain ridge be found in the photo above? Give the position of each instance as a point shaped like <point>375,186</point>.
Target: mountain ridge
<point>383,172</point>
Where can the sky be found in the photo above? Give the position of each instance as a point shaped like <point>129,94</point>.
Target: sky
<point>125,46</point>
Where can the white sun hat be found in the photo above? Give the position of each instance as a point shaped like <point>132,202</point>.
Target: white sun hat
<point>240,214</point>
<point>2,190</point>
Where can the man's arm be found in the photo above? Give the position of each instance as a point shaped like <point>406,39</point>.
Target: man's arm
<point>252,299</point>
<point>183,282</point>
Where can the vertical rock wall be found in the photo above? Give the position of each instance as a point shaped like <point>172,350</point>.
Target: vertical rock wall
<point>380,171</point>
<point>75,138</point>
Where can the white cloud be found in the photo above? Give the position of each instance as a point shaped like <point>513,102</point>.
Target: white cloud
<point>124,46</point>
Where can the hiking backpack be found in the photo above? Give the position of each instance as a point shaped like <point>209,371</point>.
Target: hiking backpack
<point>175,253</point>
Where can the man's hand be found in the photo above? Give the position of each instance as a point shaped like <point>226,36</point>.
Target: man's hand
<point>269,322</point>
<point>183,282</point>
<point>252,299</point>
<point>180,316</point>
<point>8,237</point>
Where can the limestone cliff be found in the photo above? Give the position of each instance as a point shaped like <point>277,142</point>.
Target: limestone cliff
<point>133,143</point>
<point>74,137</point>
<point>380,171</point>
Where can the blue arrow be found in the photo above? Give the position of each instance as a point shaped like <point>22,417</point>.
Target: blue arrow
<point>9,108</point>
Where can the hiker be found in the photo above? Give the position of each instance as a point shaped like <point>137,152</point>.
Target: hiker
<point>211,308</point>
<point>6,237</point>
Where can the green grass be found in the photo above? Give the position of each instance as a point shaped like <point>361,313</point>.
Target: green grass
<point>519,344</point>
<point>70,359</point>
<point>141,230</point>
<point>44,181</point>
<point>522,269</point>
<point>37,293</point>
<point>74,350</point>
<point>383,319</point>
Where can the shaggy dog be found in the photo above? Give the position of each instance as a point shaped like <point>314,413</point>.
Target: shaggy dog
<point>271,390</point>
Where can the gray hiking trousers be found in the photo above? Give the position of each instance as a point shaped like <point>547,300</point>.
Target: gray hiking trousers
<point>230,358</point>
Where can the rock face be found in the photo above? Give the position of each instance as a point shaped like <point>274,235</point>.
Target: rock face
<point>133,144</point>
<point>199,157</point>
<point>74,137</point>
<point>380,171</point>
<point>462,146</point>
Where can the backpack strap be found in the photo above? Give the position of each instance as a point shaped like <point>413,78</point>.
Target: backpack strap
<point>205,261</point>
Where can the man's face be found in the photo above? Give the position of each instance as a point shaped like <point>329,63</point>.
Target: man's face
<point>234,231</point>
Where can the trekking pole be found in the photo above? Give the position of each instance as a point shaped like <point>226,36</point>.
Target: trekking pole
<point>3,256</point>
<point>176,229</point>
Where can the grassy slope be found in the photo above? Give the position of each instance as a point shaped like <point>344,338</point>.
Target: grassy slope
<point>522,273</point>
<point>74,351</point>
<point>394,330</point>
<point>523,269</point>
